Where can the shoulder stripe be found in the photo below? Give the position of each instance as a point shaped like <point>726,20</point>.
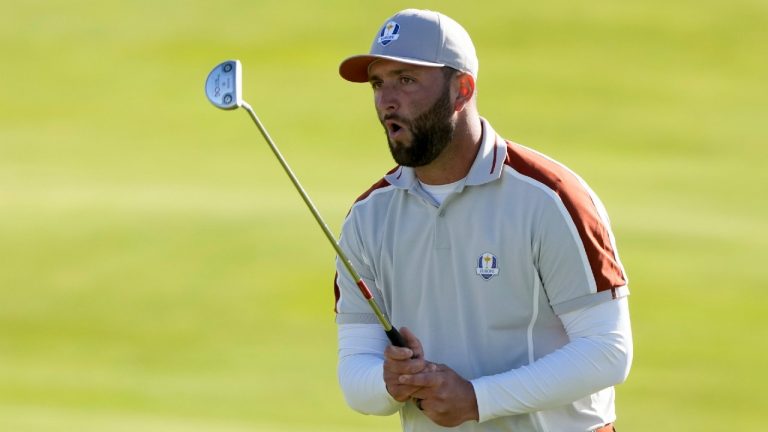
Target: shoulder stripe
<point>593,231</point>
<point>378,185</point>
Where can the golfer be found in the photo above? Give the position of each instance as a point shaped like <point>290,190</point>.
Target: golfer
<point>497,262</point>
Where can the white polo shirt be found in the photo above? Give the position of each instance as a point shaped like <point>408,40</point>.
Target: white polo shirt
<point>481,278</point>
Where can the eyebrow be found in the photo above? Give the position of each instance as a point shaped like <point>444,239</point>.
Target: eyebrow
<point>395,72</point>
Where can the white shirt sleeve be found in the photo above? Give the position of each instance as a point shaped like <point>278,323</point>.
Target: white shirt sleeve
<point>598,356</point>
<point>361,369</point>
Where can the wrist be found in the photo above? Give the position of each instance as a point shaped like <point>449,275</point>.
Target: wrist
<point>473,413</point>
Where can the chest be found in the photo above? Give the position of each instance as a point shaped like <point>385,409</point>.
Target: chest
<point>474,258</point>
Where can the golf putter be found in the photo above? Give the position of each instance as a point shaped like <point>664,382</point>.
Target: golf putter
<point>224,90</point>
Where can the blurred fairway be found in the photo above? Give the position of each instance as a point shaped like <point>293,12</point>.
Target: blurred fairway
<point>159,273</point>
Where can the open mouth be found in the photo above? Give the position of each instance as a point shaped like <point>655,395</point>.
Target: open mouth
<point>393,127</point>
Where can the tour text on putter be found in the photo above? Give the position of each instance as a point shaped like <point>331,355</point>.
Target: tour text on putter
<point>224,89</point>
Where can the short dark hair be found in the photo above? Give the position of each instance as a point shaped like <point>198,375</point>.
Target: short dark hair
<point>449,72</point>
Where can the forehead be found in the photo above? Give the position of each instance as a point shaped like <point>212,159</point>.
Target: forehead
<point>383,68</point>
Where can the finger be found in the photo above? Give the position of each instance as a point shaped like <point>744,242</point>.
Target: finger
<point>413,342</point>
<point>408,366</point>
<point>401,393</point>
<point>395,369</point>
<point>423,379</point>
<point>424,394</point>
<point>398,353</point>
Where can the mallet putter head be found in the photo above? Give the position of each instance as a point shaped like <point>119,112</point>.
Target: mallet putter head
<point>224,85</point>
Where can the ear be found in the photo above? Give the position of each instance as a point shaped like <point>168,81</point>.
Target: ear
<point>466,90</point>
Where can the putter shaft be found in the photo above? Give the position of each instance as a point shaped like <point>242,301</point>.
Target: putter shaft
<point>392,333</point>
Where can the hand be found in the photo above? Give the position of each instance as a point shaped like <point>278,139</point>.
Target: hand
<point>404,360</point>
<point>446,398</point>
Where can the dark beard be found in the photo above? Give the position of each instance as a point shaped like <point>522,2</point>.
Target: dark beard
<point>431,132</point>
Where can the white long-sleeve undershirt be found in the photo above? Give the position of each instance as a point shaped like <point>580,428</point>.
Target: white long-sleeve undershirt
<point>361,369</point>
<point>598,355</point>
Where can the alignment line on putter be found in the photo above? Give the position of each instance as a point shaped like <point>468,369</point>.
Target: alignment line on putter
<point>224,90</point>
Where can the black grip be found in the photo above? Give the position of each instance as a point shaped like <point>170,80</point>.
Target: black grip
<point>396,338</point>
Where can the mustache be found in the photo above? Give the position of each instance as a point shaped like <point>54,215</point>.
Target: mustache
<point>394,117</point>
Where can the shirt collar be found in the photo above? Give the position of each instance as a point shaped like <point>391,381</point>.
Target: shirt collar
<point>486,167</point>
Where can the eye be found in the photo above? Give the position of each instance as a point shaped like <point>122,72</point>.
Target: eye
<point>375,84</point>
<point>405,80</point>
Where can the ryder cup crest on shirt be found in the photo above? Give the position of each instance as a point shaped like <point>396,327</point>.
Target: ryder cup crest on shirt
<point>390,32</point>
<point>487,266</point>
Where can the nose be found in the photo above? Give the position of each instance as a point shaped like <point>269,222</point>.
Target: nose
<point>386,100</point>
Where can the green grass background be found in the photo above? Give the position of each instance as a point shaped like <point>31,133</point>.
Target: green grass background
<point>159,273</point>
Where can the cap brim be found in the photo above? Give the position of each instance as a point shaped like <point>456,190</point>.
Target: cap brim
<point>355,68</point>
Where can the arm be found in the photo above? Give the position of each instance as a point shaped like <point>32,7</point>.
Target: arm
<point>598,355</point>
<point>370,368</point>
<point>361,368</point>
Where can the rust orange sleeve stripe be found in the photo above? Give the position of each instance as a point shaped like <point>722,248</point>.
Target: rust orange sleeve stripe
<point>577,199</point>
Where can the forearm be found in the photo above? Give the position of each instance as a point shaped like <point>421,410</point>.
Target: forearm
<point>598,356</point>
<point>360,369</point>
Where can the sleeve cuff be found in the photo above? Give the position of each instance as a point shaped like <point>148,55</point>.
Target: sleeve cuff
<point>483,399</point>
<point>590,300</point>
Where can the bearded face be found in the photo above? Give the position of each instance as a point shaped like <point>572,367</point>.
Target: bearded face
<point>430,133</point>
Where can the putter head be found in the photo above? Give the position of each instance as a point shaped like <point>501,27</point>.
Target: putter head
<point>224,85</point>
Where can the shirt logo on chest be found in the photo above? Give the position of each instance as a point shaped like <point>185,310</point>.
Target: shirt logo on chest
<point>487,266</point>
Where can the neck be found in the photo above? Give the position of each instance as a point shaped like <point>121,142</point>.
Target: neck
<point>454,162</point>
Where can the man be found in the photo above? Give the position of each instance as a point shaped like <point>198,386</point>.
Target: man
<point>498,262</point>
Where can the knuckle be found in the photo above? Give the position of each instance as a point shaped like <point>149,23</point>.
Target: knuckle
<point>441,408</point>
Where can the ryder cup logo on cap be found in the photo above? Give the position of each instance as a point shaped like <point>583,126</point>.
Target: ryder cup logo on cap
<point>417,37</point>
<point>487,266</point>
<point>389,33</point>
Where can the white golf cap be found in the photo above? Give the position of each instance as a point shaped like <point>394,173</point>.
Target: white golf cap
<point>419,37</point>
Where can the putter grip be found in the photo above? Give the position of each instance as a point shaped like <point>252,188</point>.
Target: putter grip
<point>395,337</point>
